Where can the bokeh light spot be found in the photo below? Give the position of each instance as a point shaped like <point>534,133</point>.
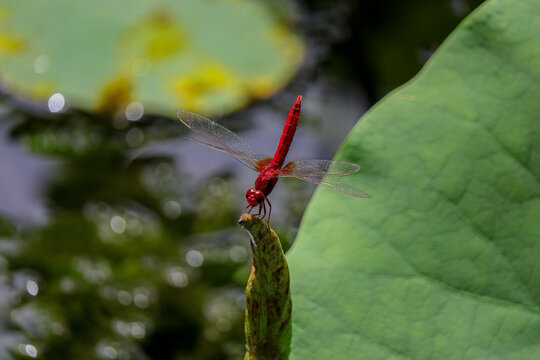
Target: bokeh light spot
<point>223,325</point>
<point>141,301</point>
<point>238,253</point>
<point>124,297</point>
<point>177,277</point>
<point>137,330</point>
<point>30,350</point>
<point>56,103</point>
<point>110,352</point>
<point>194,258</point>
<point>118,224</point>
<point>42,64</point>
<point>218,187</point>
<point>32,287</point>
<point>172,209</point>
<point>67,285</point>
<point>134,111</point>
<point>135,137</point>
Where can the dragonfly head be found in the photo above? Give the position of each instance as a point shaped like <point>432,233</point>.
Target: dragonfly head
<point>254,197</point>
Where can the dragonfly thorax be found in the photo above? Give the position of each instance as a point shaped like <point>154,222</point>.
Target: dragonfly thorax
<point>266,180</point>
<point>255,197</point>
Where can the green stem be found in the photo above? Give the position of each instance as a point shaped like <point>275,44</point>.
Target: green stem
<point>268,298</point>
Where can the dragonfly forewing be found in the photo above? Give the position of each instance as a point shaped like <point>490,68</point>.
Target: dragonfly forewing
<point>221,138</point>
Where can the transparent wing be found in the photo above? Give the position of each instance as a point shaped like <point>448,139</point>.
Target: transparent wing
<point>245,158</point>
<point>334,183</point>
<point>222,139</point>
<point>318,168</point>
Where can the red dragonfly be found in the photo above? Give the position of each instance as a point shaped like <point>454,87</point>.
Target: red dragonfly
<point>322,172</point>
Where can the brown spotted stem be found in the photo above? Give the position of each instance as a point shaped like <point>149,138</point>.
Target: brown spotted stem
<point>268,298</point>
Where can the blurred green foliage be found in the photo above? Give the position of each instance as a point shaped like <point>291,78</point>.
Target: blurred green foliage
<point>115,272</point>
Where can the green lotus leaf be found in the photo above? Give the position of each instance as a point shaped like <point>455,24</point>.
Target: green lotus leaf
<point>443,261</point>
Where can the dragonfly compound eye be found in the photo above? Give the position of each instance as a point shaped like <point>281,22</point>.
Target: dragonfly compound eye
<point>254,197</point>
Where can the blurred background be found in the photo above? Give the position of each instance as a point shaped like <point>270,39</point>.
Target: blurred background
<point>119,237</point>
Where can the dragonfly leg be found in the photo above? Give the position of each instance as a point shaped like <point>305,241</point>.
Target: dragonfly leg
<point>246,208</point>
<point>264,210</point>
<point>269,210</point>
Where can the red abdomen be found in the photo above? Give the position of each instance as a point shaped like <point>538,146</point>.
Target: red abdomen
<point>288,135</point>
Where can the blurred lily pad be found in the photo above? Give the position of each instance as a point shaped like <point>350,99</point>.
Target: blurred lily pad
<point>102,56</point>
